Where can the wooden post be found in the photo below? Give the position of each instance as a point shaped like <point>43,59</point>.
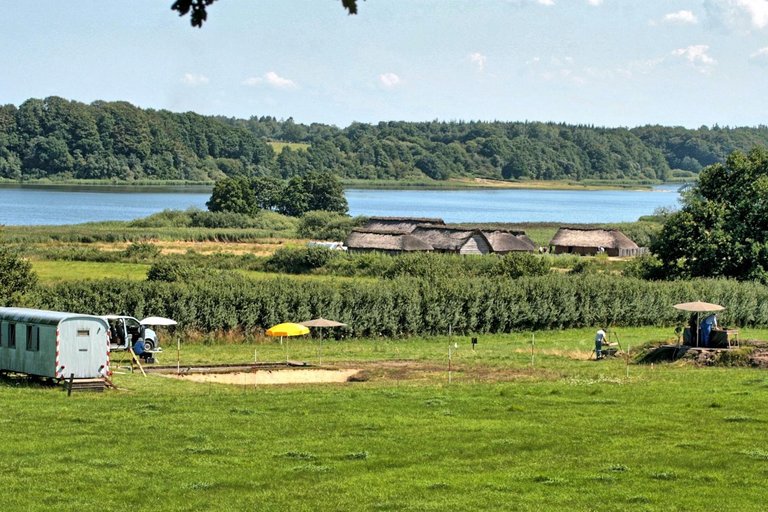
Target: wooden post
<point>627,360</point>
<point>136,358</point>
<point>69,384</point>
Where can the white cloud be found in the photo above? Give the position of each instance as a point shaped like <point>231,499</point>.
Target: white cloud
<point>683,17</point>
<point>545,2</point>
<point>595,3</point>
<point>697,56</point>
<point>478,60</point>
<point>738,14</point>
<point>271,79</point>
<point>757,11</point>
<point>194,79</point>
<point>760,56</point>
<point>389,80</point>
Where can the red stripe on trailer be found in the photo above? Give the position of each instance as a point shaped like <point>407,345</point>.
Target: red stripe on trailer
<point>58,351</point>
<point>108,372</point>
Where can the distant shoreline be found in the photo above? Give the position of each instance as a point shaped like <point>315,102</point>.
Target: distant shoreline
<point>451,184</point>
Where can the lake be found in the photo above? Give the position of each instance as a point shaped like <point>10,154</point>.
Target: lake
<point>39,205</point>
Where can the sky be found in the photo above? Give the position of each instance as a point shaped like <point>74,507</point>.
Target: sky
<point>598,62</point>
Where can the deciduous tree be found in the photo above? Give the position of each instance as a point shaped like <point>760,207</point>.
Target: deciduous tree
<point>722,230</point>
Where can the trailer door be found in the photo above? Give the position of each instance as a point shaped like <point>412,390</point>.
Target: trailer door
<point>83,348</point>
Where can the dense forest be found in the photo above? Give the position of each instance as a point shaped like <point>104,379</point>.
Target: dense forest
<point>59,139</point>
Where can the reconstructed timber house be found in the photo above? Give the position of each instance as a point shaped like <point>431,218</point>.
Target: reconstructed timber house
<point>593,241</point>
<point>53,344</point>
<point>391,243</point>
<point>439,238</point>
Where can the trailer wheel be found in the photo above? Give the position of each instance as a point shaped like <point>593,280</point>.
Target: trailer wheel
<point>149,345</point>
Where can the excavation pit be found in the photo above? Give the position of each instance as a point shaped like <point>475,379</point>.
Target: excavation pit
<point>271,377</point>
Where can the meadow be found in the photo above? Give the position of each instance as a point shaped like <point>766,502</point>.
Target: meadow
<point>556,432</point>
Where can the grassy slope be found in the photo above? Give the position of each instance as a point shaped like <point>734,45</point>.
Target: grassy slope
<point>569,434</point>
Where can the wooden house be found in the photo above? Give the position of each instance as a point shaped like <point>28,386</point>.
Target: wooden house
<point>593,241</point>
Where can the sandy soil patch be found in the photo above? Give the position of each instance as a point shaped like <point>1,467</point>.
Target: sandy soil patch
<point>313,376</point>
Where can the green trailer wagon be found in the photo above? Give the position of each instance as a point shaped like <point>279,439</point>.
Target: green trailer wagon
<point>53,344</point>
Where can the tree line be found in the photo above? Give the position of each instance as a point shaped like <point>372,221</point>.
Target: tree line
<point>59,139</point>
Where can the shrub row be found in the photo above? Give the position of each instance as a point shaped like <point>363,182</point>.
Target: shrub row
<point>407,306</point>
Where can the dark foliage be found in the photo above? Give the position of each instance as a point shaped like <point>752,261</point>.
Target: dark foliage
<point>200,12</point>
<point>314,191</point>
<point>16,276</point>
<point>723,228</point>
<point>59,139</point>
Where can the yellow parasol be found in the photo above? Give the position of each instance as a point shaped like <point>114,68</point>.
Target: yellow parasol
<point>287,329</point>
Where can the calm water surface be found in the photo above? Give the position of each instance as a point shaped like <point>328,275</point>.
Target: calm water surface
<point>25,205</point>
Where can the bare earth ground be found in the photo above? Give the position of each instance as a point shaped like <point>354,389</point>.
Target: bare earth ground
<point>313,376</point>
<point>382,371</point>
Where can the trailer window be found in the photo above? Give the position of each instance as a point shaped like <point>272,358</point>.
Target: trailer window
<point>11,335</point>
<point>33,338</point>
<point>83,332</point>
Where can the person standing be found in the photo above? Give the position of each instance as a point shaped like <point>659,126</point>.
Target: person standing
<point>600,340</point>
<point>707,325</point>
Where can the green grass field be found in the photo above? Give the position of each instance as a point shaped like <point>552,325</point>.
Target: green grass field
<point>562,434</point>
<point>59,271</point>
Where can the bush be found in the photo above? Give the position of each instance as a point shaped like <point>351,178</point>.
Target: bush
<point>584,266</point>
<point>171,271</point>
<point>646,266</point>
<point>299,260</point>
<point>165,219</point>
<point>221,220</point>
<point>141,251</point>
<point>522,264</point>
<point>16,277</point>
<point>323,225</point>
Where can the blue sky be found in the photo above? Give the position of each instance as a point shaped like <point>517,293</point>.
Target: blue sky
<point>601,62</point>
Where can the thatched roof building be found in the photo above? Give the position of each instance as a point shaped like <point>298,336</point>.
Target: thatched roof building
<point>503,242</point>
<point>399,224</point>
<point>365,241</point>
<point>391,237</point>
<point>592,241</point>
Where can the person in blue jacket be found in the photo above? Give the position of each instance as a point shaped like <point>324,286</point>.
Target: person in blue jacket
<point>707,325</point>
<point>138,349</point>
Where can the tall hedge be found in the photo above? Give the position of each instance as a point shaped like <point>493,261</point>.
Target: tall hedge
<point>415,306</point>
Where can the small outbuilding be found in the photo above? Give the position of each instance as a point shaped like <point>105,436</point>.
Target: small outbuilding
<point>504,242</point>
<point>53,344</point>
<point>584,241</point>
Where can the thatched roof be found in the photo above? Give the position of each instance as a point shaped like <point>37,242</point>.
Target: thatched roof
<point>609,239</point>
<point>399,224</point>
<point>504,241</point>
<point>383,241</point>
<point>443,238</point>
